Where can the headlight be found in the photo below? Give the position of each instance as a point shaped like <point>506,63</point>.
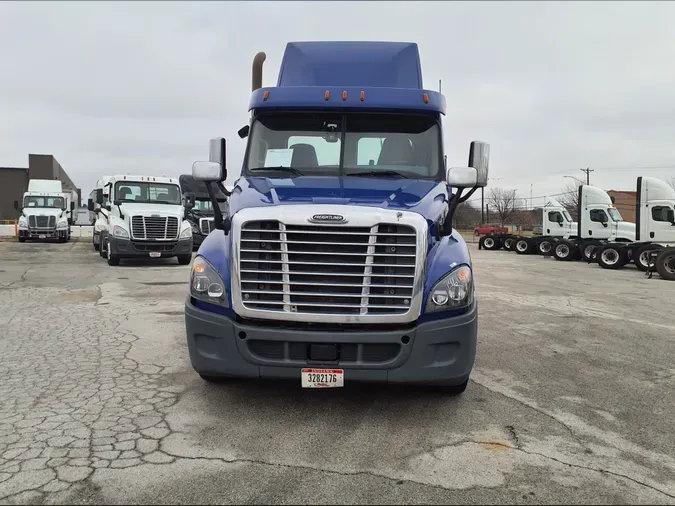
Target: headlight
<point>186,234</point>
<point>206,284</point>
<point>195,229</point>
<point>62,224</point>
<point>120,232</point>
<point>453,291</point>
<point>23,223</point>
<point>99,227</point>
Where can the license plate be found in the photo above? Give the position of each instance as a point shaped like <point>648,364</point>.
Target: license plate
<point>155,254</point>
<point>322,378</point>
<point>42,236</point>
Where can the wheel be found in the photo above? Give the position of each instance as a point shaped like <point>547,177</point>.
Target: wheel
<point>22,239</point>
<point>113,260</point>
<point>587,249</point>
<point>544,247</point>
<point>611,256</point>
<point>101,249</point>
<point>665,264</point>
<point>523,246</point>
<point>508,243</point>
<point>96,246</point>
<point>562,250</point>
<point>487,242</point>
<point>184,259</point>
<point>641,259</point>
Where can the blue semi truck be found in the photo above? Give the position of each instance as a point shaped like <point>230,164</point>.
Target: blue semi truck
<point>337,261</point>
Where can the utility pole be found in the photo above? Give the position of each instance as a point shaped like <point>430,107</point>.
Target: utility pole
<point>588,171</point>
<point>531,206</point>
<point>439,86</point>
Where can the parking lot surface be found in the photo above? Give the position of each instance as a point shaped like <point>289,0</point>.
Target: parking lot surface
<point>572,398</point>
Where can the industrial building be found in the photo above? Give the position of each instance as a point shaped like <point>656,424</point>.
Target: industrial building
<point>14,181</point>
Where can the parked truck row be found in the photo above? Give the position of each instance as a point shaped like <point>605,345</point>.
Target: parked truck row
<point>601,235</point>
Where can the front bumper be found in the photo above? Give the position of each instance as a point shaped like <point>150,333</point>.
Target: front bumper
<point>441,351</point>
<point>125,248</point>
<point>43,233</point>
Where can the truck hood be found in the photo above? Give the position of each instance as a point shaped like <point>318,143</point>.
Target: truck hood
<point>406,194</point>
<point>42,211</point>
<point>626,229</point>
<point>131,209</point>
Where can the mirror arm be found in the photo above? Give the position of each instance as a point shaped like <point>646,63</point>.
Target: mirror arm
<point>466,197</point>
<point>222,188</point>
<point>121,213</point>
<point>446,228</point>
<point>219,222</point>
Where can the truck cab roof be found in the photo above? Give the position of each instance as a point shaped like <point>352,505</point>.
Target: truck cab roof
<point>350,75</point>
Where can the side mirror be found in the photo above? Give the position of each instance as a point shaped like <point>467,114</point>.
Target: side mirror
<point>16,205</point>
<point>479,159</point>
<point>72,206</point>
<point>99,196</point>
<point>217,153</point>
<point>461,177</point>
<point>90,204</point>
<point>559,219</point>
<point>207,171</point>
<point>189,200</point>
<point>117,202</point>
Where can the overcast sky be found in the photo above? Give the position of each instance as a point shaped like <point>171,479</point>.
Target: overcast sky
<point>141,87</point>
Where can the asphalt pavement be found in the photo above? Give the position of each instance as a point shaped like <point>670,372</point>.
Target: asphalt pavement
<point>571,400</point>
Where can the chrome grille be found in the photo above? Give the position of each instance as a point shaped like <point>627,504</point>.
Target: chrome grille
<point>41,221</point>
<point>154,227</point>
<point>327,269</point>
<point>206,225</point>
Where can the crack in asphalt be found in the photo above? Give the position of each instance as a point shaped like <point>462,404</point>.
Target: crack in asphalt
<point>431,453</point>
<point>539,410</point>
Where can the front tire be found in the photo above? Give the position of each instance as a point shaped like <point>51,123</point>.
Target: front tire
<point>611,256</point>
<point>184,259</point>
<point>101,249</point>
<point>665,264</point>
<point>22,239</point>
<point>113,260</point>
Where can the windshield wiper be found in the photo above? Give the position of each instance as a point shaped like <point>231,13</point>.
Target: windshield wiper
<point>378,173</point>
<point>280,168</point>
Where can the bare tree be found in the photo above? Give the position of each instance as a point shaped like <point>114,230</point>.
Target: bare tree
<point>672,183</point>
<point>502,202</point>
<point>569,198</point>
<point>466,216</point>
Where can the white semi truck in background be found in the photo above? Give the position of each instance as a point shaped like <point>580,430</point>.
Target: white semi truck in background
<point>556,223</point>
<point>44,211</point>
<point>654,232</point>
<point>143,217</point>
<point>100,226</point>
<point>599,222</point>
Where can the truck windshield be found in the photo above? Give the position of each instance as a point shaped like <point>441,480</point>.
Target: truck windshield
<point>203,205</point>
<point>614,214</point>
<point>567,216</point>
<point>155,193</point>
<point>42,201</point>
<point>354,144</point>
